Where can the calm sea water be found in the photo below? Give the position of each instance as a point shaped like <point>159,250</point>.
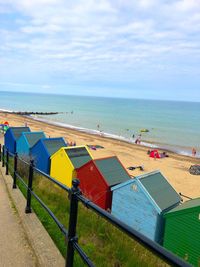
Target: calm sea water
<point>171,125</point>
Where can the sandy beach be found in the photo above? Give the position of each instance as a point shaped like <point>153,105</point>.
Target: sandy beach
<point>174,168</point>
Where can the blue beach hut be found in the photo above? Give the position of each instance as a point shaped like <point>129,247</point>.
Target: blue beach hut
<point>26,141</point>
<point>12,135</point>
<point>43,150</point>
<point>141,202</point>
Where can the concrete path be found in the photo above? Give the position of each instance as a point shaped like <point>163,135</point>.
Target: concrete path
<point>24,242</point>
<point>23,239</point>
<point>15,249</point>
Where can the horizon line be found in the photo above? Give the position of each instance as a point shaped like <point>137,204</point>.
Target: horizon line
<point>98,96</point>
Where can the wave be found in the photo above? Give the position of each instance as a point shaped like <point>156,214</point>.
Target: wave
<point>170,148</point>
<point>6,110</point>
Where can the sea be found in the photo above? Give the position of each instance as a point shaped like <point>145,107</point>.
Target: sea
<point>171,125</point>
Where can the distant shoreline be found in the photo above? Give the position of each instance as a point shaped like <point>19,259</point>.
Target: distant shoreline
<point>144,143</point>
<point>172,126</point>
<point>175,167</point>
<point>114,137</point>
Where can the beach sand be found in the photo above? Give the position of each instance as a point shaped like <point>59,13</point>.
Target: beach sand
<point>174,168</point>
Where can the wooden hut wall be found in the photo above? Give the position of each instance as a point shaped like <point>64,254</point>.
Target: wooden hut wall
<point>22,146</point>
<point>182,231</point>
<point>12,135</point>
<point>9,141</point>
<point>42,151</point>
<point>142,201</point>
<point>132,206</point>
<point>65,161</point>
<point>26,141</point>
<point>40,156</point>
<point>62,168</point>
<point>94,186</point>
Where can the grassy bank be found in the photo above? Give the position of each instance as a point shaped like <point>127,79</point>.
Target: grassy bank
<point>102,242</point>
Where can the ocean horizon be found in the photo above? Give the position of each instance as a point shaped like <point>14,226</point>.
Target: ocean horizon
<point>171,125</point>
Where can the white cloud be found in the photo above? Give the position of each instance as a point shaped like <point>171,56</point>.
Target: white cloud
<point>187,5</point>
<point>99,39</point>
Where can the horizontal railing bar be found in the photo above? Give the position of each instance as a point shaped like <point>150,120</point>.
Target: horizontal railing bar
<point>53,180</point>
<point>82,254</point>
<point>21,179</point>
<point>152,246</point>
<point>60,225</point>
<point>185,196</point>
<point>22,160</point>
<point>10,153</point>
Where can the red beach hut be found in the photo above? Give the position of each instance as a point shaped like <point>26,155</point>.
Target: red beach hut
<point>97,178</point>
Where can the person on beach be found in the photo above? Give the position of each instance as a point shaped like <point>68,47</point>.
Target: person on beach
<point>194,152</point>
<point>138,139</point>
<point>164,155</point>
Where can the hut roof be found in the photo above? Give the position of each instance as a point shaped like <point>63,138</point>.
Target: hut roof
<point>193,204</point>
<point>53,144</point>
<point>17,131</point>
<point>33,137</point>
<point>112,170</point>
<point>78,156</point>
<point>160,190</point>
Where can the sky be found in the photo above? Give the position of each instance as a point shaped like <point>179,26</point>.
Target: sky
<point>117,48</point>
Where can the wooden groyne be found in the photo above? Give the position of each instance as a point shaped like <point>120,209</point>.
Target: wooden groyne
<point>36,113</point>
<point>27,113</point>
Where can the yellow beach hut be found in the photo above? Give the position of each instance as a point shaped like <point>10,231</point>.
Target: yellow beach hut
<point>66,160</point>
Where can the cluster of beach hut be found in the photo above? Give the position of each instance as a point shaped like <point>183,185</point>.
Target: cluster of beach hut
<point>147,203</point>
<point>4,126</point>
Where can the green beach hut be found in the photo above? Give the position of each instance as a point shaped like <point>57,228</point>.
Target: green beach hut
<point>182,231</point>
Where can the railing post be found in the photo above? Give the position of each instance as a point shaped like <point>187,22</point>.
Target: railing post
<point>72,223</point>
<point>29,189</point>
<point>3,156</point>
<point>15,171</point>
<point>0,152</point>
<point>7,161</point>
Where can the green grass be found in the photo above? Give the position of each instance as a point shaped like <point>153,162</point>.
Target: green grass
<point>102,242</point>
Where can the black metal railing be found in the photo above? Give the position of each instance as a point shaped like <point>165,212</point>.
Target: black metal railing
<point>76,197</point>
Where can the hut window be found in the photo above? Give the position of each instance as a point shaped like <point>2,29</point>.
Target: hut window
<point>134,187</point>
<point>91,168</point>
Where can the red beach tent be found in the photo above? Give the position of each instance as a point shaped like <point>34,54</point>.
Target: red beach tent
<point>154,154</point>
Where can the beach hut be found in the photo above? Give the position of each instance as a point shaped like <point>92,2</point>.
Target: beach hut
<point>65,162</point>
<point>141,202</point>
<point>97,178</point>
<point>43,150</point>
<point>26,141</point>
<point>182,231</point>
<point>12,135</point>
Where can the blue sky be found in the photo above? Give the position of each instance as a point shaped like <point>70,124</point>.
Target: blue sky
<point>123,48</point>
